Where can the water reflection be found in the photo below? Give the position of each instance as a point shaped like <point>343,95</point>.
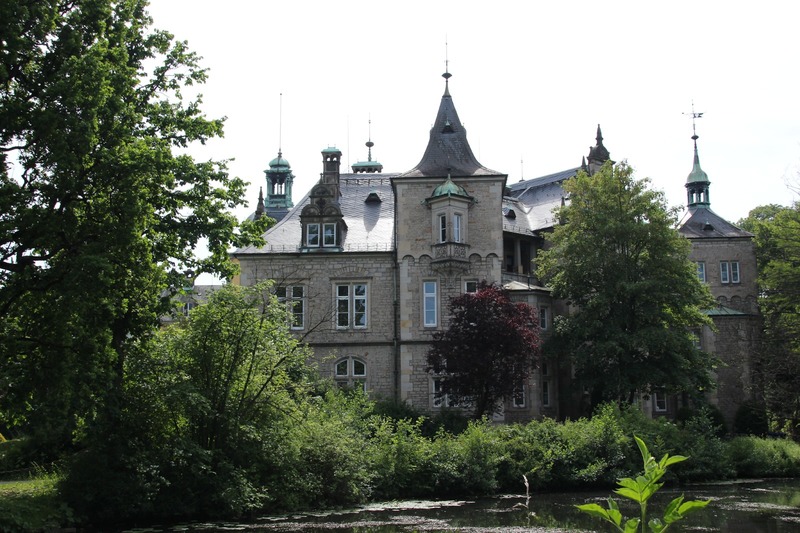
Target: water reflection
<point>771,506</point>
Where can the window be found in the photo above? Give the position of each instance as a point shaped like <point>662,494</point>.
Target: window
<point>295,299</point>
<point>350,373</point>
<point>312,235</point>
<point>430,305</point>
<point>441,399</point>
<point>519,395</point>
<point>545,393</point>
<point>659,402</point>
<point>734,271</point>
<point>543,317</point>
<point>701,271</point>
<point>724,272</point>
<point>457,227</point>
<point>329,234</point>
<point>470,286</point>
<point>442,228</point>
<point>187,308</point>
<point>351,306</point>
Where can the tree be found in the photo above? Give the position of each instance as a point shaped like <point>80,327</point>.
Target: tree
<point>634,295</point>
<point>100,209</point>
<point>777,237</point>
<point>488,350</point>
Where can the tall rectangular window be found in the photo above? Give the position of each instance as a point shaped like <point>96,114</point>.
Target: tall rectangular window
<point>329,234</point>
<point>659,402</point>
<point>457,228</point>
<point>734,271</point>
<point>430,305</point>
<point>312,235</point>
<point>543,318</point>
<point>701,271</point>
<point>519,395</point>
<point>351,306</point>
<point>294,297</point>
<point>442,228</point>
<point>545,393</point>
<point>724,272</point>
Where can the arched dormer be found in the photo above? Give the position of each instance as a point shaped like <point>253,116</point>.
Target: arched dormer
<point>324,228</point>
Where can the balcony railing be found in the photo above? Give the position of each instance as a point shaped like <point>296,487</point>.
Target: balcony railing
<point>450,251</point>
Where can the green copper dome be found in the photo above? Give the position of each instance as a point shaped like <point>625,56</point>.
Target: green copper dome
<point>279,162</point>
<point>697,175</point>
<point>449,188</point>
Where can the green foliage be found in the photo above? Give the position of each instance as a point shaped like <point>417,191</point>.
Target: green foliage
<point>640,490</point>
<point>625,269</point>
<point>100,208</point>
<point>32,505</point>
<point>777,238</point>
<point>751,419</point>
<point>760,457</point>
<point>490,346</point>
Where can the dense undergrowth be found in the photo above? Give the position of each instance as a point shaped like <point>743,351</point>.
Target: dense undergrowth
<point>347,450</point>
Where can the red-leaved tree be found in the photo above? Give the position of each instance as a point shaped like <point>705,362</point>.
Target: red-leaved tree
<point>489,349</point>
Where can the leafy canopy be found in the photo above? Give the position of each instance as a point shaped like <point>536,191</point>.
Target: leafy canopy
<point>100,207</point>
<point>488,350</point>
<point>635,296</point>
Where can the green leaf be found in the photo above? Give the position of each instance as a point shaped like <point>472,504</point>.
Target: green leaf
<point>632,525</point>
<point>594,510</point>
<point>691,506</point>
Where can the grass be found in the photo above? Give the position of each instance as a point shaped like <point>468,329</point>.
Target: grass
<point>32,505</point>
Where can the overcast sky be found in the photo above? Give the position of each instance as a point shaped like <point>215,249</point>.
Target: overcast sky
<point>531,82</point>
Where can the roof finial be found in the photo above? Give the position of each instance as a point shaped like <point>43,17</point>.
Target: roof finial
<point>280,125</point>
<point>370,144</point>
<point>695,116</point>
<point>446,74</point>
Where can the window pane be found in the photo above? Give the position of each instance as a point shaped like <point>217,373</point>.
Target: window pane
<point>297,314</point>
<point>312,237</point>
<point>359,368</point>
<point>545,393</point>
<point>701,271</point>
<point>342,313</point>
<point>734,271</point>
<point>341,368</point>
<point>280,292</point>
<point>298,291</point>
<point>543,317</point>
<point>442,228</point>
<point>470,286</point>
<point>723,272</point>
<point>360,290</point>
<point>329,236</point>
<point>457,228</point>
<point>429,303</point>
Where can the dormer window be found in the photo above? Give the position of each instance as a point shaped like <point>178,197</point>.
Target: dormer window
<point>329,234</point>
<point>312,235</point>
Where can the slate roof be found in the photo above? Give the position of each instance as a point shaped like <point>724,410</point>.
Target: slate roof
<point>370,225</point>
<point>701,222</point>
<point>448,151</point>
<point>534,200</point>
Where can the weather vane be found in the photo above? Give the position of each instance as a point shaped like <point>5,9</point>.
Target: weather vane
<point>695,116</point>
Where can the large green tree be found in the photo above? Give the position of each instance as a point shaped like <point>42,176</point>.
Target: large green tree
<point>488,351</point>
<point>634,296</point>
<point>777,236</point>
<point>100,208</point>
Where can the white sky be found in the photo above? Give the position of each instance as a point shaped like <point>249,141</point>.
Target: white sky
<point>531,81</point>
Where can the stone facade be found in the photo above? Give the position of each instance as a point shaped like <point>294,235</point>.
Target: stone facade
<point>368,261</point>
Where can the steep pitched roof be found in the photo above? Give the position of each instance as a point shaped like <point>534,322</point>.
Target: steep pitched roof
<point>367,204</point>
<point>448,150</point>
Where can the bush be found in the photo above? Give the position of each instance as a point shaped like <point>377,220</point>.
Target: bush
<point>760,457</point>
<point>751,419</point>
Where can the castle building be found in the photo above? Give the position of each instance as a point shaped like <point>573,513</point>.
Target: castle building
<point>368,261</point>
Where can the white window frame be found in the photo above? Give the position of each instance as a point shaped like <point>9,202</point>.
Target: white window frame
<point>458,229</point>
<point>543,318</point>
<point>518,399</point>
<point>442,228</point>
<point>659,398</point>
<point>351,305</point>
<point>350,378</point>
<point>430,304</point>
<point>735,272</point>
<point>701,271</point>
<point>445,400</point>
<point>294,297</point>
<point>470,286</point>
<point>329,230</point>
<point>724,272</point>
<point>312,238</point>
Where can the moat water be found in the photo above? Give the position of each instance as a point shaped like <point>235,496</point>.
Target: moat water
<point>746,506</point>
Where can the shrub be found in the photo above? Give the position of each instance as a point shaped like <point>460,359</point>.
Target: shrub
<point>751,419</point>
<point>760,457</point>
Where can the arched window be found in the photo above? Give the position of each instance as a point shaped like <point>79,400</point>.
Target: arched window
<point>350,373</point>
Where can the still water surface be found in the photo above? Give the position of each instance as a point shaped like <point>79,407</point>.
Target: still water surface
<point>754,506</point>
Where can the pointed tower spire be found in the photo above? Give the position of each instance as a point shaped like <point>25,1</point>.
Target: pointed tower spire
<point>279,175</point>
<point>448,149</point>
<point>260,209</point>
<point>598,154</point>
<point>697,183</point>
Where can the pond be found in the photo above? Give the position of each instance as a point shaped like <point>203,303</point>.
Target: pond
<point>751,506</point>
